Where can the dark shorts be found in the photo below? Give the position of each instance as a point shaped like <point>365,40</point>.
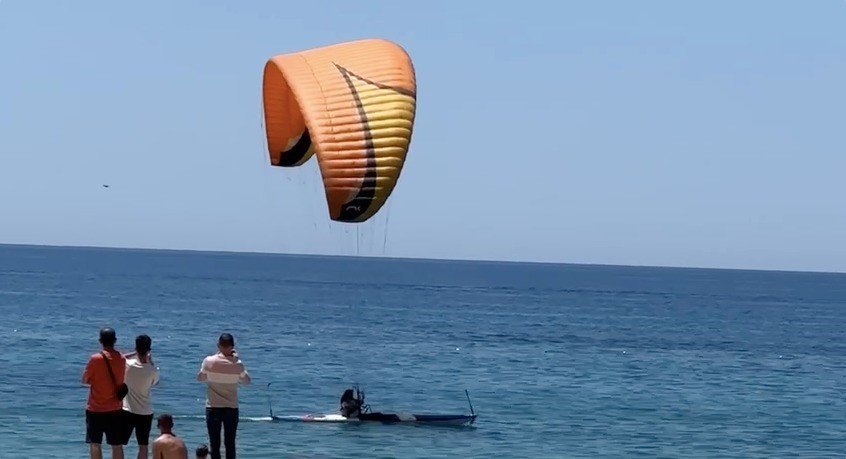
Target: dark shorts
<point>110,423</point>
<point>141,424</point>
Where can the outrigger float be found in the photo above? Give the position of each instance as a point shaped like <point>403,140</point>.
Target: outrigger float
<point>366,415</point>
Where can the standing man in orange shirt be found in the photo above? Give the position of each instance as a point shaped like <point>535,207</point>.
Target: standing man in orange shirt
<point>104,375</point>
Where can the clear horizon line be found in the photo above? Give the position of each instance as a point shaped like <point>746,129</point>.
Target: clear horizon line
<point>407,258</point>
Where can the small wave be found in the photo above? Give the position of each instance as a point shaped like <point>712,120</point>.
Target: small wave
<point>242,418</point>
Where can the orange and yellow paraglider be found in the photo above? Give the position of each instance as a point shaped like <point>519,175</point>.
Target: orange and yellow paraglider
<point>351,104</point>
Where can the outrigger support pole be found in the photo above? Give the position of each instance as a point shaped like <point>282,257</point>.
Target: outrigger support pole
<point>269,405</point>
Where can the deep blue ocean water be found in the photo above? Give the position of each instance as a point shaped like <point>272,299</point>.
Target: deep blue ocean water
<point>561,360</point>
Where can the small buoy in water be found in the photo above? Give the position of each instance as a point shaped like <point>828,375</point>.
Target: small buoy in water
<point>624,352</point>
<point>780,356</point>
<point>309,344</point>
<point>458,349</point>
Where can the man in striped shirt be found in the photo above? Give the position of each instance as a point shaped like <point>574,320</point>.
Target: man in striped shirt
<point>222,372</point>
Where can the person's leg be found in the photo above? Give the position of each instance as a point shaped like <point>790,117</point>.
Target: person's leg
<point>116,432</point>
<point>129,425</point>
<point>93,435</point>
<point>213,424</point>
<point>143,424</point>
<point>230,429</point>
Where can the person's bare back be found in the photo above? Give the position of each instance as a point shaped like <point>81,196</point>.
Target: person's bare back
<point>169,446</point>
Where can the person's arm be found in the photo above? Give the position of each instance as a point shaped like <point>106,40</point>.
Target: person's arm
<point>155,369</point>
<point>158,453</point>
<point>202,375</point>
<point>244,377</point>
<point>155,377</point>
<point>86,375</point>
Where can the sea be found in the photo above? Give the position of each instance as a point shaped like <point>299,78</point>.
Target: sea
<point>559,360</point>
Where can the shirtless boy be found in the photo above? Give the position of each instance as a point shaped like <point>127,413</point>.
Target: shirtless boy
<point>168,445</point>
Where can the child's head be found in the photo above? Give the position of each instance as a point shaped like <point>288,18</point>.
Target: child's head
<point>202,452</point>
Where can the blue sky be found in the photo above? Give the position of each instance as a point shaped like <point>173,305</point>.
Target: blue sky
<point>649,133</point>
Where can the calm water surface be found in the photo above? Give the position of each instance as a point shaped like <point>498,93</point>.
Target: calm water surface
<point>561,360</point>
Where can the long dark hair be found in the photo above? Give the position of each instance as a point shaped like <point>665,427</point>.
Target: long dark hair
<point>348,396</point>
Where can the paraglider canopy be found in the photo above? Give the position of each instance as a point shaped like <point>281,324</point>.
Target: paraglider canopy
<point>350,104</point>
